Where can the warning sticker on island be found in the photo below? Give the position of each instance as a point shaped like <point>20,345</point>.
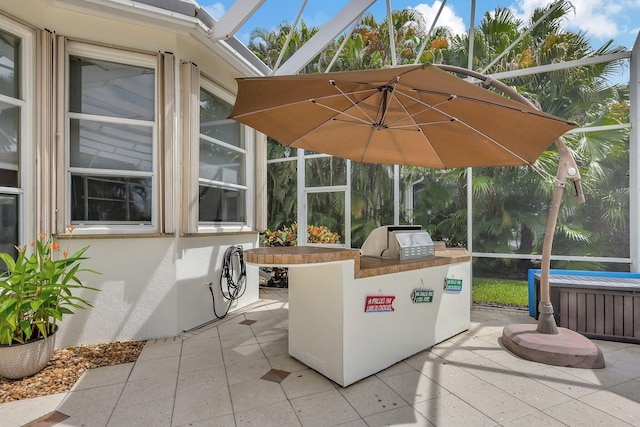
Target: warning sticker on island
<point>452,285</point>
<point>422,295</point>
<point>379,303</point>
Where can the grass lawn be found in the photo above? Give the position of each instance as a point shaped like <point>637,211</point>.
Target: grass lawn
<point>500,291</point>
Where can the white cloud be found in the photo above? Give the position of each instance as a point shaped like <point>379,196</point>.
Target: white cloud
<point>597,19</point>
<point>216,10</point>
<point>447,18</point>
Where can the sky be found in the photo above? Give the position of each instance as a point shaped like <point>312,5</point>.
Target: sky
<point>600,20</point>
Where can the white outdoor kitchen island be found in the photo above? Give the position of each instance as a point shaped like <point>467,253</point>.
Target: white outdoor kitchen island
<point>351,316</point>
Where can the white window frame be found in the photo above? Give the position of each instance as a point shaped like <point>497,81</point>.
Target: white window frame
<point>26,173</point>
<point>75,48</point>
<point>247,135</point>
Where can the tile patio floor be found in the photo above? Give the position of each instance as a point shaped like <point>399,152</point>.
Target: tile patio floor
<point>212,376</point>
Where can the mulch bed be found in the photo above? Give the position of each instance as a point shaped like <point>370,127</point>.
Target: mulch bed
<point>65,368</point>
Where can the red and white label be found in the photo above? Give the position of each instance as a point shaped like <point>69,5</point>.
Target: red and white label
<point>379,303</point>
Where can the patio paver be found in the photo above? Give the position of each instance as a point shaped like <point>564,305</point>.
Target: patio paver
<point>237,372</point>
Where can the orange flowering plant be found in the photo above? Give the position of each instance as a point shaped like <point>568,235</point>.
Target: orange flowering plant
<point>37,289</point>
<point>321,234</point>
<point>288,236</point>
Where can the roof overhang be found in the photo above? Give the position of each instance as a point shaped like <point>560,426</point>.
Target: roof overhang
<point>187,16</point>
<point>177,15</point>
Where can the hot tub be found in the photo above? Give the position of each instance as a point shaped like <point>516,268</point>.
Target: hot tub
<point>599,305</point>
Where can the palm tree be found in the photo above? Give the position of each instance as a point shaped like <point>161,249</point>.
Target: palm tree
<point>371,199</point>
<point>511,207</point>
<point>373,37</point>
<point>267,45</point>
<point>282,188</point>
<point>439,202</point>
<point>510,204</point>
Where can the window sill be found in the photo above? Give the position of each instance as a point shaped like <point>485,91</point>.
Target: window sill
<point>89,235</point>
<point>220,232</point>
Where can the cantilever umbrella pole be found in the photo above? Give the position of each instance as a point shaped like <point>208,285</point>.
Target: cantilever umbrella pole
<point>567,169</point>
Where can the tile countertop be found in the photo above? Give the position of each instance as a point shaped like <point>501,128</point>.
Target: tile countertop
<point>365,266</point>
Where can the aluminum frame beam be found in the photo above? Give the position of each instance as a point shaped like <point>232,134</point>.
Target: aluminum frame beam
<point>324,36</point>
<point>234,18</point>
<point>288,40</point>
<point>562,65</point>
<point>634,157</point>
<point>472,35</point>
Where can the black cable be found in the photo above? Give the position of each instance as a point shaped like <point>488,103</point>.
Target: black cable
<point>235,274</point>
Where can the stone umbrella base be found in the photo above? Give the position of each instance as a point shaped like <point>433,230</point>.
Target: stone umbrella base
<point>566,348</point>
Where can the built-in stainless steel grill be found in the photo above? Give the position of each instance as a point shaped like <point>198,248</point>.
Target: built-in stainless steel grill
<point>398,242</point>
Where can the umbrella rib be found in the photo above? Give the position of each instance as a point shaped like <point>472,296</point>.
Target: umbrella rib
<point>410,126</point>
<point>373,91</point>
<point>358,120</point>
<point>302,101</point>
<point>366,148</point>
<point>356,105</point>
<point>495,104</point>
<point>335,110</point>
<point>429,107</point>
<point>358,123</point>
<point>388,90</point>
<point>419,129</point>
<point>455,119</point>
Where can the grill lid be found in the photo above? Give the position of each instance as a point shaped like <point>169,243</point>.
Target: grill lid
<point>398,242</point>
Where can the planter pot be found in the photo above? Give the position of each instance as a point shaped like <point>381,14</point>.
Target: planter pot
<point>23,360</point>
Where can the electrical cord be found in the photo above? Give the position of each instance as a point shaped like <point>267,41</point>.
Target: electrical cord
<point>235,274</point>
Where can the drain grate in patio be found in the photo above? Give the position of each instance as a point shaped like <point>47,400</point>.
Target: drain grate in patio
<point>275,375</point>
<point>48,420</point>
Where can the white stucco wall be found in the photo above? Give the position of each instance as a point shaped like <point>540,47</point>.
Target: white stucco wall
<point>151,286</point>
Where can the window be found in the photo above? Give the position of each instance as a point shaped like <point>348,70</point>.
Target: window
<point>112,140</point>
<point>222,164</point>
<point>10,105</point>
<point>14,115</point>
<point>217,159</point>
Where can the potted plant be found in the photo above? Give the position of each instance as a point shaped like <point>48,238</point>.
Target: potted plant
<point>36,290</point>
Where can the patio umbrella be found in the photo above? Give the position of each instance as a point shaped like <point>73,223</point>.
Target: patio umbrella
<point>422,115</point>
<point>413,115</point>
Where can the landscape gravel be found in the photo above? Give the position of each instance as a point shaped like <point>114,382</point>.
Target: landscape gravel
<point>65,368</point>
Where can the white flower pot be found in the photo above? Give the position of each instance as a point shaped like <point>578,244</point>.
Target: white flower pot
<point>23,360</point>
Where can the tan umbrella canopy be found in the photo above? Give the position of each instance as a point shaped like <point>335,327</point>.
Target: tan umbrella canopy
<point>422,115</point>
<point>413,115</point>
